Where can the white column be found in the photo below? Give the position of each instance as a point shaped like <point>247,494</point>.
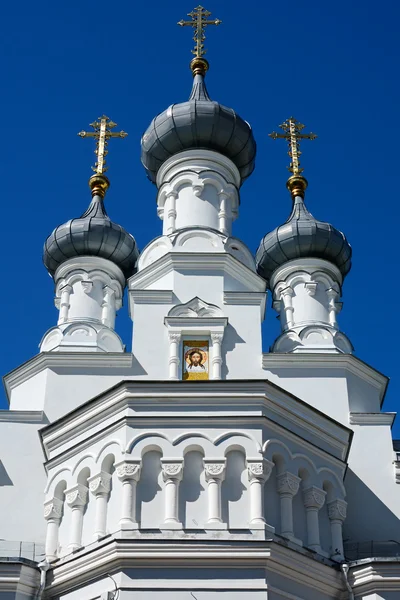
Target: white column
<point>171,211</point>
<point>76,498</point>
<point>216,339</point>
<point>64,303</point>
<point>287,295</point>
<point>215,474</point>
<point>172,475</point>
<point>258,472</point>
<point>100,485</point>
<point>314,499</point>
<point>174,340</point>
<point>223,214</point>
<point>52,513</point>
<point>128,472</point>
<point>108,307</point>
<point>287,486</point>
<point>337,511</point>
<point>334,306</point>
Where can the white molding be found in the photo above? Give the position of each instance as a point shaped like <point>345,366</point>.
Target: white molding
<point>22,416</point>
<point>307,265</point>
<point>329,360</point>
<point>198,160</point>
<point>375,575</point>
<point>152,296</point>
<point>372,418</point>
<point>90,263</point>
<point>232,398</point>
<point>198,324</point>
<point>64,360</point>
<point>192,262</point>
<point>296,565</point>
<point>247,299</point>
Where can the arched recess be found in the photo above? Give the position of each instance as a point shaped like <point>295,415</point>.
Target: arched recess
<point>235,500</point>
<point>89,511</point>
<point>306,474</point>
<point>192,490</point>
<point>107,465</point>
<point>63,530</point>
<point>149,499</point>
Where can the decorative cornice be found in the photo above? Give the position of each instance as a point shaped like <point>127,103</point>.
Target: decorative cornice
<point>149,297</point>
<point>64,360</point>
<point>199,261</point>
<point>266,399</point>
<point>319,575</point>
<point>322,361</point>
<point>372,418</point>
<point>23,416</point>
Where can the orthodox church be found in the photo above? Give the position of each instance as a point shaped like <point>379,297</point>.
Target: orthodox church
<point>197,466</point>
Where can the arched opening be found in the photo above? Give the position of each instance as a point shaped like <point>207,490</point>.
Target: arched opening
<point>299,510</point>
<point>235,509</point>
<point>192,496</point>
<point>149,507</point>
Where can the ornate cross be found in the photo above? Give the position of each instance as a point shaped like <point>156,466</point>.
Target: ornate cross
<point>102,133</point>
<point>292,132</point>
<point>199,22</point>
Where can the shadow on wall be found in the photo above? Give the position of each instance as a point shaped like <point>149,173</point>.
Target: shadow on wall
<point>368,518</point>
<point>4,477</point>
<point>231,339</point>
<point>148,488</point>
<point>191,512</point>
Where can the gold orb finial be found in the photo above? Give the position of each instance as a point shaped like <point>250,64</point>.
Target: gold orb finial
<point>99,185</point>
<point>199,66</point>
<point>297,185</point>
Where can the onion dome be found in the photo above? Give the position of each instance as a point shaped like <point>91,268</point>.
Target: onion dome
<point>92,234</point>
<point>198,123</point>
<point>302,236</point>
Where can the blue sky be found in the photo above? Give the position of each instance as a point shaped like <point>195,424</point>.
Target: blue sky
<point>334,66</point>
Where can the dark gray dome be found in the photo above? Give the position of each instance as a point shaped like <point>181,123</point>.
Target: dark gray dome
<point>198,123</point>
<point>302,236</point>
<point>93,234</point>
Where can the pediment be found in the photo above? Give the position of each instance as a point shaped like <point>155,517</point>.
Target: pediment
<point>195,308</point>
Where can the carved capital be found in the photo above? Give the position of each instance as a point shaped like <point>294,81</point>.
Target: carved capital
<point>260,471</point>
<point>128,470</point>
<point>311,287</point>
<point>173,470</point>
<point>215,470</point>
<point>337,510</point>
<point>53,509</point>
<point>288,484</point>
<point>87,286</point>
<point>287,292</point>
<point>197,188</point>
<point>174,337</point>
<point>77,495</point>
<point>100,483</point>
<point>314,497</point>
<point>217,338</point>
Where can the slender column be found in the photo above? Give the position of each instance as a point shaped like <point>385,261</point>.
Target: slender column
<point>287,295</point>
<point>258,473</point>
<point>337,511</point>
<point>108,307</point>
<point>288,486</point>
<point>215,474</point>
<point>128,473</point>
<point>314,499</point>
<point>171,211</point>
<point>216,355</point>
<point>334,306</point>
<point>100,486</point>
<point>223,212</point>
<point>76,498</point>
<point>52,513</point>
<point>172,475</point>
<point>64,303</point>
<point>174,340</point>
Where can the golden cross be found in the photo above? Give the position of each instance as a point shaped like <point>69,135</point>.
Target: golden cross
<point>102,133</point>
<point>293,129</point>
<point>199,22</point>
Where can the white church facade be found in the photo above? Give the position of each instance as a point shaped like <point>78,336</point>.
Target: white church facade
<point>197,466</point>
